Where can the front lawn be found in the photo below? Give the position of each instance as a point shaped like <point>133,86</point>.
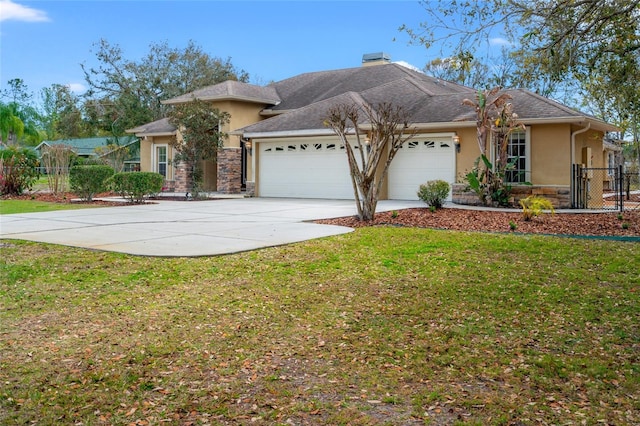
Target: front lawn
<point>8,206</point>
<point>394,326</point>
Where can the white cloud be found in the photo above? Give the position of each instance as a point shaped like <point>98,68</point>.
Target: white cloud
<point>499,41</point>
<point>77,87</point>
<point>17,12</point>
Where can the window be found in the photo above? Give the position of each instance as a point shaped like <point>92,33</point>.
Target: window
<point>161,160</point>
<point>517,152</point>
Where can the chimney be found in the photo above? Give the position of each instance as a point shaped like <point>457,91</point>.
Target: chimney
<point>379,58</point>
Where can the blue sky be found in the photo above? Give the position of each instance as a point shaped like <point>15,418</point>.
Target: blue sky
<point>44,42</point>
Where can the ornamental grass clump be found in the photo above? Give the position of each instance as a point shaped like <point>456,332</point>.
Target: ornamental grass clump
<point>534,206</point>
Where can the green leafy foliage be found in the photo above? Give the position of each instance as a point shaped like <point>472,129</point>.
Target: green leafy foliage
<point>18,170</point>
<point>201,127</point>
<point>126,92</point>
<point>88,180</point>
<point>534,206</point>
<point>137,185</point>
<point>434,192</point>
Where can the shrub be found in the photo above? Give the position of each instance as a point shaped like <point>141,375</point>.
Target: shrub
<point>434,192</point>
<point>86,181</point>
<point>533,206</point>
<point>18,170</point>
<point>137,185</point>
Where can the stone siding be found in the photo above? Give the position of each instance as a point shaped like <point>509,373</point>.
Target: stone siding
<point>230,170</point>
<point>250,190</point>
<point>181,181</point>
<point>560,196</point>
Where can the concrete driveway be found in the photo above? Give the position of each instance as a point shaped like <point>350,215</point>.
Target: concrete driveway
<point>187,228</point>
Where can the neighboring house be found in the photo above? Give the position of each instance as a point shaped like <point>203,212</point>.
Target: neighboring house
<point>86,148</point>
<point>278,145</point>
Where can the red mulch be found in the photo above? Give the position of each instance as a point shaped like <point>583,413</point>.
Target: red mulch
<point>599,224</point>
<point>64,198</point>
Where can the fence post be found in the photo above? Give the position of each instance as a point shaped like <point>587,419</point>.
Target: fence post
<point>573,190</point>
<point>620,179</point>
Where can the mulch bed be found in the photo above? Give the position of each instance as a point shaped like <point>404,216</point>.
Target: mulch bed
<point>598,224</point>
<point>625,224</point>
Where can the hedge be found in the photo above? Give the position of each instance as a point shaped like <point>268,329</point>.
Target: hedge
<point>86,181</point>
<point>137,185</point>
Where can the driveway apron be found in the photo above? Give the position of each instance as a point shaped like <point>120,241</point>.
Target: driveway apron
<point>187,228</point>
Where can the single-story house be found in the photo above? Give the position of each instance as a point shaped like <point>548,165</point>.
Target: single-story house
<point>278,145</point>
<point>90,147</point>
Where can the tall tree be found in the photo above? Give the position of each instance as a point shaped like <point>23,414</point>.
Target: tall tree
<point>200,125</point>
<point>125,93</point>
<point>62,115</point>
<point>387,129</point>
<point>19,118</point>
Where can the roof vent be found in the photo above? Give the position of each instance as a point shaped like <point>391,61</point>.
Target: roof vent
<point>378,58</point>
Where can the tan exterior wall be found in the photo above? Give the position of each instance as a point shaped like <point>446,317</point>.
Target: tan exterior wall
<point>590,139</point>
<point>147,145</point>
<point>550,154</point>
<point>145,154</point>
<point>468,154</point>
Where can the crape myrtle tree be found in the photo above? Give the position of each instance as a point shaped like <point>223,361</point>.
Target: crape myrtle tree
<point>386,127</point>
<point>563,47</point>
<point>200,136</point>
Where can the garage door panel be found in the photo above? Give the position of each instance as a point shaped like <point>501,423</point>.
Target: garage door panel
<point>310,170</point>
<point>426,158</point>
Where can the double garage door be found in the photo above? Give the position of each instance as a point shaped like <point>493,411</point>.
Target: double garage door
<point>320,169</point>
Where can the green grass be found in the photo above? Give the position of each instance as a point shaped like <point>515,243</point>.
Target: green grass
<point>31,206</point>
<point>383,326</point>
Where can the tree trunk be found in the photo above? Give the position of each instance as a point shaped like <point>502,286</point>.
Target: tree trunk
<point>369,202</point>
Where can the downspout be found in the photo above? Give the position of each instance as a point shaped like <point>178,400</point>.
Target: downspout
<point>573,161</point>
<point>573,142</point>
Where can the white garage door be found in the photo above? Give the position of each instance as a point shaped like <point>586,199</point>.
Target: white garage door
<point>418,161</point>
<point>305,170</point>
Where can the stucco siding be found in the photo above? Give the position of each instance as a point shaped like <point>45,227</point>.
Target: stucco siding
<point>550,154</point>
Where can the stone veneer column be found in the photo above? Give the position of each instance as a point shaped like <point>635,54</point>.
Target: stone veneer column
<point>229,170</point>
<point>181,177</point>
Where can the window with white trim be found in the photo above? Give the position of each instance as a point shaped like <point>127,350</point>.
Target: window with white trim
<point>161,160</point>
<point>518,153</point>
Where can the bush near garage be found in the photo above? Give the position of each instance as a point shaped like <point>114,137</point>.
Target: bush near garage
<point>88,180</point>
<point>434,192</point>
<point>137,185</point>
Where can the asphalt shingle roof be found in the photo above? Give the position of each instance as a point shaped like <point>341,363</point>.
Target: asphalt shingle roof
<point>158,127</point>
<point>230,89</point>
<point>308,88</point>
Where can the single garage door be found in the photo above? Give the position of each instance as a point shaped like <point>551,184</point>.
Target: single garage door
<point>418,161</point>
<point>305,170</point>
